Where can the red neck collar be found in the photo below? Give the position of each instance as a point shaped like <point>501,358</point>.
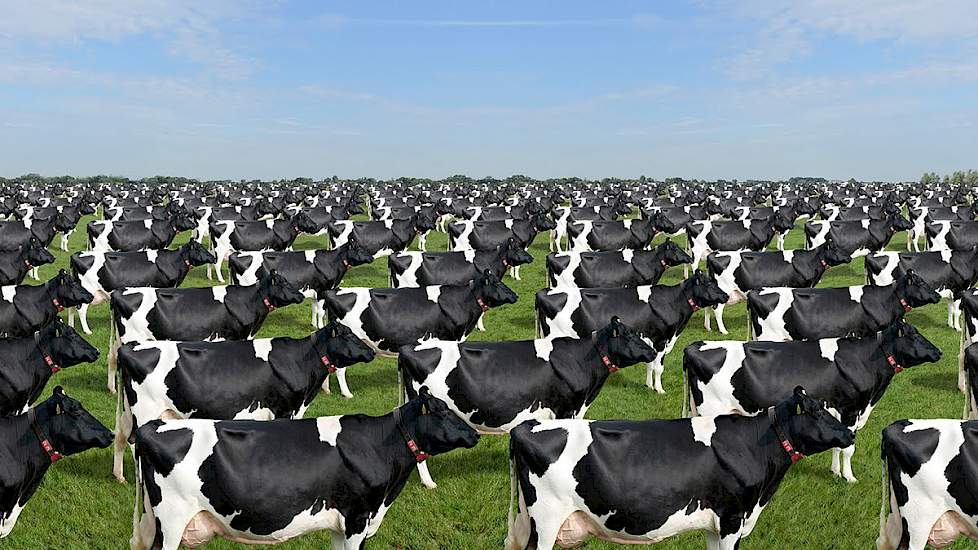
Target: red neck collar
<point>419,455</point>
<point>330,367</point>
<point>46,445</point>
<point>268,304</point>
<point>793,453</point>
<point>825,264</point>
<point>482,304</point>
<point>692,304</point>
<point>906,306</point>
<point>663,262</point>
<point>57,304</point>
<point>897,367</point>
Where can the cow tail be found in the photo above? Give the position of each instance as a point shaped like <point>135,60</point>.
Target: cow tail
<point>685,410</point>
<point>884,476</point>
<point>513,497</point>
<point>136,510</point>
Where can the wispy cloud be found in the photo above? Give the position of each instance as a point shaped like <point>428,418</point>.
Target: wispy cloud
<point>642,20</point>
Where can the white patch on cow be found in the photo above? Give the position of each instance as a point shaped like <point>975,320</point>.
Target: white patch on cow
<point>8,292</point>
<point>433,292</point>
<point>255,411</point>
<point>7,523</point>
<point>469,255</point>
<point>354,318</point>
<point>464,240</point>
<point>718,394</point>
<point>250,275</point>
<point>220,292</point>
<point>703,429</point>
<point>135,328</point>
<point>508,223</point>
<point>773,327</point>
<point>698,243</point>
<point>946,255</point>
<point>856,293</point>
<point>566,277</point>
<point>788,255</point>
<point>329,428</point>
<point>627,223</point>
<point>100,242</point>
<point>865,223</point>
<point>151,255</point>
<point>828,347</point>
<point>309,255</point>
<point>409,278</point>
<point>561,324</point>
<point>263,346</point>
<point>939,241</point>
<point>148,224</point>
<point>345,232</point>
<point>823,227</point>
<point>580,241</point>
<point>644,292</point>
<point>885,276</point>
<point>627,255</point>
<point>543,347</point>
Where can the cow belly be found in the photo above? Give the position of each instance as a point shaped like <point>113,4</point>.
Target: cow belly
<point>948,528</point>
<point>204,526</point>
<point>580,525</point>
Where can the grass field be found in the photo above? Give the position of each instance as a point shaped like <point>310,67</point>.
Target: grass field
<point>80,505</point>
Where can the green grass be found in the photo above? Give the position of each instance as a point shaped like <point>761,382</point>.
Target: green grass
<point>81,506</point>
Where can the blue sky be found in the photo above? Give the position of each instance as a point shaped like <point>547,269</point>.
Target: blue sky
<point>736,89</point>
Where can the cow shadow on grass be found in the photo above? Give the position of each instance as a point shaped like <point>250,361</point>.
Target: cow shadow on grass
<point>942,381</point>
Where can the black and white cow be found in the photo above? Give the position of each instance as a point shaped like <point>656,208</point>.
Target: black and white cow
<point>388,318</point>
<point>381,238</point>
<point>25,309</point>
<point>257,379</point>
<point>860,236</point>
<point>102,272</point>
<point>705,236</point>
<point>565,215</point>
<point>132,236</point>
<point>658,312</point>
<point>739,272</point>
<point>31,442</point>
<point>952,235</point>
<point>611,269</point>
<point>929,484</point>
<point>489,235</point>
<point>311,271</point>
<point>268,482</point>
<point>950,272</point>
<point>849,374</point>
<point>30,361</point>
<point>16,264</point>
<point>969,381</point>
<point>18,234</point>
<point>639,482</point>
<point>588,235</point>
<point>923,215</point>
<point>780,313</point>
<point>228,236</point>
<point>232,312</point>
<point>412,268</point>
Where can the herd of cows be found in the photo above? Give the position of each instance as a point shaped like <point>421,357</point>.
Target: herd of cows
<point>213,415</point>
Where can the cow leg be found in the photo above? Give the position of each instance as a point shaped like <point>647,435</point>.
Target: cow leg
<point>712,540</point>
<point>123,427</point>
<point>653,373</point>
<point>341,380</point>
<point>718,312</point>
<point>113,363</point>
<point>547,527</point>
<point>423,242</point>
<point>706,320</point>
<point>172,528</point>
<point>730,542</point>
<point>891,531</point>
<point>957,314</point>
<point>962,377</point>
<point>843,470</point>
<point>426,475</point>
<point>479,325</point>
<point>144,530</point>
<point>781,241</point>
<point>64,242</point>
<point>83,318</point>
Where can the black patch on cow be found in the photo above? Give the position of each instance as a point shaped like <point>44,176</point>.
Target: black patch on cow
<point>960,472</point>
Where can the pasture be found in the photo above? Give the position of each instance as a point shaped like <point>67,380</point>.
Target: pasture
<point>80,505</point>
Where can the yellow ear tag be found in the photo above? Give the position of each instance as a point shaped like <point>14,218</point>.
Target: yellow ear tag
<point>798,411</point>
<point>614,333</point>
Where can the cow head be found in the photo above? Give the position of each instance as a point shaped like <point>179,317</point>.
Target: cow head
<point>670,253</point>
<point>62,223</point>
<point>491,292</point>
<point>913,291</point>
<point>803,207</point>
<point>353,207</point>
<point>435,428</point>
<point>68,426</point>
<point>302,222</point>
<point>424,220</point>
<point>899,223</point>
<point>907,346</point>
<point>533,208</point>
<point>66,290</point>
<point>195,254</point>
<point>781,222</point>
<point>174,207</point>
<point>343,348</point>
<point>356,254</point>
<point>622,208</point>
<point>182,221</point>
<point>267,207</point>
<point>662,223</point>
<point>513,254</point>
<point>622,345</point>
<point>702,291</point>
<point>86,206</point>
<point>832,254</point>
<point>278,291</point>
<point>543,222</point>
<point>809,427</point>
<point>65,346</point>
<point>891,208</point>
<point>35,254</point>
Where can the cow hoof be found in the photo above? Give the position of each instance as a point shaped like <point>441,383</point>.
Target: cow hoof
<point>660,391</point>
<point>851,480</point>
<point>120,478</point>
<point>348,395</point>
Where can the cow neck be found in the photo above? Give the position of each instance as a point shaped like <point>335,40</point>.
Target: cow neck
<point>323,356</point>
<point>891,361</point>
<point>54,299</point>
<point>46,354</point>
<point>42,438</point>
<point>409,441</point>
<point>690,301</point>
<point>602,351</point>
<point>793,454</point>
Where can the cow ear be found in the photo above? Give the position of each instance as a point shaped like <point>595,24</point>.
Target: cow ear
<point>59,391</point>
<point>799,391</point>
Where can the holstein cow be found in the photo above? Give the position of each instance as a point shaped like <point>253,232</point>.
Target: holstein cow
<point>952,235</point>
<point>388,318</point>
<point>969,381</point>
<point>494,386</point>
<point>738,272</point>
<point>132,236</point>
<point>950,272</point>
<point>706,236</point>
<point>587,235</point>
<point>30,361</point>
<point>780,313</point>
<point>31,442</point>
<point>969,332</point>
<point>102,272</point>
<point>268,482</point>
<point>611,269</point>
<point>928,484</point>
<point>640,482</point>
<point>860,236</point>
<point>659,313</point>
<point>413,269</point>
<point>849,374</point>
<point>257,379</point>
<point>565,215</point>
<point>489,235</point>
<point>17,234</point>
<point>228,236</point>
<point>923,215</point>
<point>16,264</point>
<point>233,312</point>
<point>24,309</point>
<point>381,238</point>
<point>311,271</point>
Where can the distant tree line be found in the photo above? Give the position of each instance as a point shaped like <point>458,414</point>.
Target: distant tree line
<point>959,177</point>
